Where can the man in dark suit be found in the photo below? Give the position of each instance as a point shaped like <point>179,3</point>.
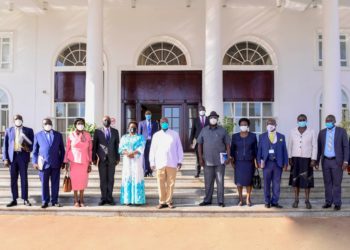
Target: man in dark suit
<point>272,157</point>
<point>333,152</point>
<point>198,124</point>
<point>18,144</point>
<point>48,155</point>
<point>147,128</point>
<point>105,154</point>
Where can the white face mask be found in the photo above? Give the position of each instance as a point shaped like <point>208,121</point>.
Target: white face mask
<point>270,128</point>
<point>243,128</point>
<point>47,127</point>
<point>202,113</point>
<point>80,127</point>
<point>18,122</point>
<point>213,121</point>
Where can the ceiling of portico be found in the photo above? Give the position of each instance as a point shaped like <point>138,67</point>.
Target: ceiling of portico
<point>36,6</point>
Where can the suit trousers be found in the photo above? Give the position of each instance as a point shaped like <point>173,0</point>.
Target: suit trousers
<point>212,174</point>
<point>19,167</point>
<point>146,165</point>
<point>198,167</point>
<point>47,175</point>
<point>106,171</point>
<point>272,175</point>
<point>332,178</point>
<point>166,182</point>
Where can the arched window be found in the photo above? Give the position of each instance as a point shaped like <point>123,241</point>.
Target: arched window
<point>162,53</point>
<point>4,113</point>
<point>247,53</point>
<point>72,55</point>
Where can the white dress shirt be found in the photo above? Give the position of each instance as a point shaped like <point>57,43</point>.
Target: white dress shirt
<point>302,145</point>
<point>166,149</point>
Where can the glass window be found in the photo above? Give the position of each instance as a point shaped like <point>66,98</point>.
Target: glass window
<point>343,50</point>
<point>5,50</point>
<point>73,55</point>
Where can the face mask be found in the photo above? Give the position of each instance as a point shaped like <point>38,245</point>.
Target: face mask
<point>47,127</point>
<point>148,117</point>
<point>80,127</point>
<point>329,125</point>
<point>213,121</point>
<point>302,124</point>
<point>106,123</point>
<point>18,122</point>
<point>243,128</point>
<point>164,125</point>
<point>132,130</point>
<point>270,128</point>
<point>202,113</point>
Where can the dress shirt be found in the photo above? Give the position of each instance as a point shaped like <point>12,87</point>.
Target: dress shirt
<point>329,151</point>
<point>166,149</point>
<point>302,145</point>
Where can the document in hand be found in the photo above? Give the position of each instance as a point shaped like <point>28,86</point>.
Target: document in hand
<point>41,163</point>
<point>223,157</point>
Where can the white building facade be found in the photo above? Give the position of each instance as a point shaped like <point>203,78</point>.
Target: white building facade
<point>241,58</point>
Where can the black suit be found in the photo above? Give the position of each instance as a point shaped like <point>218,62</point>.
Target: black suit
<point>107,153</point>
<point>195,131</point>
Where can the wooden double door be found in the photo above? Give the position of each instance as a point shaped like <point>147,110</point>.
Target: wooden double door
<point>172,94</point>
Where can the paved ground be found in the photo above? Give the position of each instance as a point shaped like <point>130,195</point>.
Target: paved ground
<point>78,232</point>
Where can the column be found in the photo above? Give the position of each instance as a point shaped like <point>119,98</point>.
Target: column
<point>331,60</point>
<point>94,63</point>
<point>212,88</point>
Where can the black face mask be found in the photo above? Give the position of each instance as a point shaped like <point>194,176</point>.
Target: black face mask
<point>106,123</point>
<point>132,130</point>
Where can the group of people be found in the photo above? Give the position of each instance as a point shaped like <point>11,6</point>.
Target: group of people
<point>146,148</point>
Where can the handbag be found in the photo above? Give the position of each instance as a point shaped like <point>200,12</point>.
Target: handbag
<point>67,183</point>
<point>256,179</point>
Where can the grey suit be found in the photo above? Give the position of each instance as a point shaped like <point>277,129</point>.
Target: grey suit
<point>107,152</point>
<point>332,167</point>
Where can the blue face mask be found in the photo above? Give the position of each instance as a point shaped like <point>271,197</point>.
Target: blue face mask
<point>148,117</point>
<point>329,125</point>
<point>302,124</point>
<point>164,125</point>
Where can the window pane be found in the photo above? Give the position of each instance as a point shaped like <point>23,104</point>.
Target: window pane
<point>240,109</point>
<point>73,109</point>
<point>5,55</point>
<point>267,109</point>
<point>82,109</point>
<point>60,109</point>
<point>343,50</point>
<point>167,112</point>
<point>320,56</point>
<point>227,110</point>
<point>176,122</point>
<point>254,109</point>
<point>255,125</point>
<point>61,125</point>
<point>5,65</point>
<point>176,112</point>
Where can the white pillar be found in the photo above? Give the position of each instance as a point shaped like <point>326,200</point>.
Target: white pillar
<point>212,88</point>
<point>331,60</point>
<point>94,63</point>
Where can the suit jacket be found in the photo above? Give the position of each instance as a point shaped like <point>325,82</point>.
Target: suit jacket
<point>101,148</point>
<point>197,128</point>
<point>9,143</point>
<point>280,151</point>
<point>53,153</point>
<point>79,148</point>
<point>341,145</point>
<point>142,130</point>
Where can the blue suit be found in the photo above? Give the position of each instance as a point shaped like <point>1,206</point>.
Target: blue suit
<point>52,150</point>
<point>18,160</point>
<point>143,130</point>
<point>273,165</point>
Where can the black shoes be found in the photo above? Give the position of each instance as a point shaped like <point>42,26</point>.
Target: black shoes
<point>326,206</point>
<point>337,207</point>
<point>160,206</point>
<point>148,174</point>
<point>45,205</point>
<point>197,175</point>
<point>267,205</point>
<point>102,203</point>
<point>12,204</point>
<point>27,203</point>
<point>221,204</point>
<point>295,204</point>
<point>276,205</point>
<point>308,204</point>
<point>204,203</point>
<point>112,203</point>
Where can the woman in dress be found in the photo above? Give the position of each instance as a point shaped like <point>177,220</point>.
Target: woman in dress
<point>79,156</point>
<point>243,152</point>
<point>131,146</point>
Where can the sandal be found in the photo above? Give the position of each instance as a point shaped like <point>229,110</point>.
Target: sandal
<point>76,204</point>
<point>240,203</point>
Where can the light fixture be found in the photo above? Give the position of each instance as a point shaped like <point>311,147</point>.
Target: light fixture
<point>188,4</point>
<point>11,6</point>
<point>133,4</point>
<point>224,3</point>
<point>314,4</point>
<point>279,3</point>
<point>45,6</point>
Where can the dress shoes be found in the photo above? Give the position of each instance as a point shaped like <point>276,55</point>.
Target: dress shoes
<point>308,204</point>
<point>337,207</point>
<point>204,203</point>
<point>12,204</point>
<point>295,204</point>
<point>57,205</point>
<point>45,205</point>
<point>267,205</point>
<point>112,203</point>
<point>221,204</point>
<point>160,206</point>
<point>326,206</point>
<point>102,203</point>
<point>276,205</point>
<point>27,203</point>
<point>197,175</point>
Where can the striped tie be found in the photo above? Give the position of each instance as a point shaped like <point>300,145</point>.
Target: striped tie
<point>330,141</point>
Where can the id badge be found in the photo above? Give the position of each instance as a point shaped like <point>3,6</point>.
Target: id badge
<point>271,151</point>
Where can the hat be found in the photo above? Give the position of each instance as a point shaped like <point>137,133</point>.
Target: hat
<point>213,113</point>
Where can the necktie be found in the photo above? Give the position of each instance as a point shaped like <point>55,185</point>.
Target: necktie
<point>202,121</point>
<point>108,135</point>
<point>17,138</point>
<point>149,129</point>
<point>49,138</point>
<point>330,141</point>
<point>272,137</point>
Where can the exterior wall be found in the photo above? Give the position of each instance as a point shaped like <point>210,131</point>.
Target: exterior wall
<point>290,34</point>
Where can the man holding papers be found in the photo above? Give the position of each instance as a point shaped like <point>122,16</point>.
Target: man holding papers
<point>213,150</point>
<point>18,144</point>
<point>48,155</point>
